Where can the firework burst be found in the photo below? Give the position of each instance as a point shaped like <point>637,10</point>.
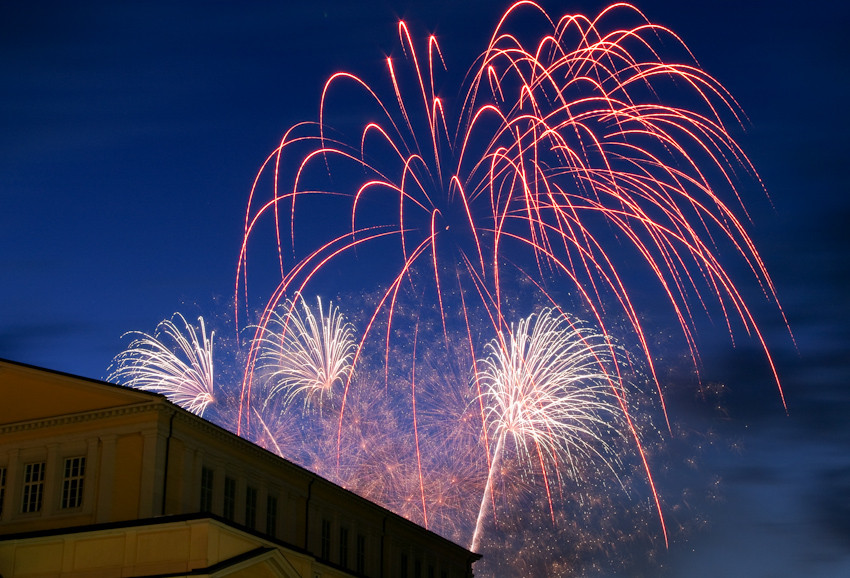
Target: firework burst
<point>305,353</point>
<point>552,388</point>
<point>176,361</point>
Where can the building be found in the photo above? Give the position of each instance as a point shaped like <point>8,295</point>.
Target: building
<point>98,480</point>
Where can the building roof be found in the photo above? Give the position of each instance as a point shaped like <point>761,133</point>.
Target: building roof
<point>40,394</point>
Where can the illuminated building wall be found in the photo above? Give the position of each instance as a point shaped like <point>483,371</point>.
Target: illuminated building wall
<point>98,480</point>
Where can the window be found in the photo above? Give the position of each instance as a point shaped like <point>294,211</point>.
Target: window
<point>403,566</point>
<point>2,488</point>
<point>271,516</point>
<point>251,507</point>
<point>229,498</point>
<point>33,487</point>
<point>417,569</point>
<point>361,554</point>
<point>72,482</point>
<point>207,478</point>
<point>343,547</point>
<point>326,539</point>
<point>430,571</point>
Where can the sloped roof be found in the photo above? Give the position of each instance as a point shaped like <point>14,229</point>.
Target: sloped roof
<point>29,393</point>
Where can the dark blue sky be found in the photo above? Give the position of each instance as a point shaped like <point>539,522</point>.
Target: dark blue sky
<point>131,133</point>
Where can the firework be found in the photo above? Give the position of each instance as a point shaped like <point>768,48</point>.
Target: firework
<point>175,362</point>
<point>560,171</point>
<point>561,163</point>
<point>306,353</point>
<point>547,387</point>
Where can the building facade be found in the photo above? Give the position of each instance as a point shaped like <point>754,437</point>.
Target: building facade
<point>98,480</point>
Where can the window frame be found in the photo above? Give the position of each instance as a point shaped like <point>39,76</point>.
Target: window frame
<point>343,546</point>
<point>32,490</point>
<point>3,474</point>
<point>325,543</point>
<point>251,495</point>
<point>229,507</point>
<point>360,554</point>
<point>207,492</point>
<point>271,515</point>
<point>73,482</point>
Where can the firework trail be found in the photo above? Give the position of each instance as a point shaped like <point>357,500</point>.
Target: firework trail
<point>561,163</point>
<point>305,353</point>
<point>175,362</point>
<point>547,387</point>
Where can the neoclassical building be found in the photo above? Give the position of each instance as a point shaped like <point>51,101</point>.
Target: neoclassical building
<point>98,480</point>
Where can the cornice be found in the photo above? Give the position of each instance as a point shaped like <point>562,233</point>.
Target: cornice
<point>66,419</point>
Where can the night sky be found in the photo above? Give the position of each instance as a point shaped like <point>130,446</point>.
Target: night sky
<point>131,133</point>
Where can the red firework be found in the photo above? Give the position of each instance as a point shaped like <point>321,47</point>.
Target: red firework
<point>560,164</point>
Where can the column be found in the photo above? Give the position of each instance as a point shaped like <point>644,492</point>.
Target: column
<point>105,478</point>
<point>52,480</point>
<point>153,454</point>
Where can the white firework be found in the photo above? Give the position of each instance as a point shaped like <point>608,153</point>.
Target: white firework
<point>176,363</point>
<point>550,387</point>
<point>305,353</point>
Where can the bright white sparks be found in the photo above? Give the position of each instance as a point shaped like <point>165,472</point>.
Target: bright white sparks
<point>552,387</point>
<point>175,363</point>
<point>549,386</point>
<point>306,353</point>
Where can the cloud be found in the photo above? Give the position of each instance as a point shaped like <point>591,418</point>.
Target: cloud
<point>832,504</point>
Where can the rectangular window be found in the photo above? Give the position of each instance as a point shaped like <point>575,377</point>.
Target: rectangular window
<point>2,488</point>
<point>326,539</point>
<point>417,569</point>
<point>33,487</point>
<point>430,571</point>
<point>271,516</point>
<point>207,478</point>
<point>403,566</point>
<point>251,507</point>
<point>72,482</point>
<point>229,498</point>
<point>444,574</point>
<point>343,547</point>
<point>361,554</point>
